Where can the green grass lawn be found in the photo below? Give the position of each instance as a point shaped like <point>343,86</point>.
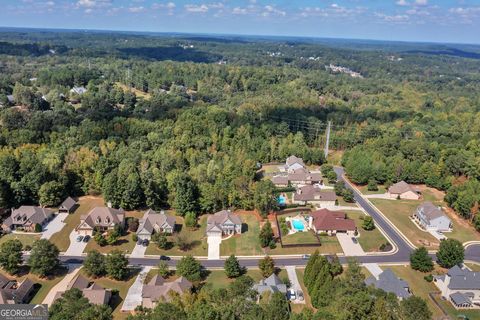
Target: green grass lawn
<point>247,243</point>
<point>125,244</point>
<point>342,202</point>
<point>473,266</point>
<point>364,190</point>
<point>196,237</point>
<point>61,239</point>
<point>369,240</point>
<point>300,238</point>
<point>335,157</point>
<point>25,239</point>
<point>217,278</point>
<point>421,288</point>
<point>329,245</point>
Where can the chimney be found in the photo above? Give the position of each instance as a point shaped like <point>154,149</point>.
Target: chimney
<point>310,222</point>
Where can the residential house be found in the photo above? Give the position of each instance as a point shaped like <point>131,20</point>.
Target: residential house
<point>389,282</point>
<point>68,205</point>
<point>271,284</point>
<point>14,292</point>
<point>297,177</point>
<point>313,194</point>
<point>460,286</point>
<point>402,190</point>
<point>293,163</point>
<point>26,217</point>
<point>431,217</point>
<point>331,222</point>
<point>101,219</point>
<point>280,181</point>
<point>158,290</point>
<point>155,222</point>
<point>78,90</point>
<point>224,222</point>
<point>95,293</point>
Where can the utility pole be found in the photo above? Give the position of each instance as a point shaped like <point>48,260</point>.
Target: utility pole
<point>328,139</point>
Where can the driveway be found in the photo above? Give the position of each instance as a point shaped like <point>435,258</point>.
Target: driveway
<point>373,268</point>
<point>138,251</point>
<point>348,246</point>
<point>214,246</point>
<point>54,226</point>
<point>134,294</point>
<point>62,285</point>
<point>295,284</point>
<point>76,248</point>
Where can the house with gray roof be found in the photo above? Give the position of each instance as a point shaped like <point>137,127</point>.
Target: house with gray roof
<point>101,219</point>
<point>95,293</point>
<point>68,205</point>
<point>389,282</point>
<point>271,284</point>
<point>460,286</point>
<point>26,217</point>
<point>313,194</point>
<point>158,290</point>
<point>431,217</point>
<point>297,177</point>
<point>402,190</point>
<point>14,292</point>
<point>293,163</point>
<point>224,222</point>
<point>152,222</point>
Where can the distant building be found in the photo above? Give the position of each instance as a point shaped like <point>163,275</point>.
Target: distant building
<point>224,222</point>
<point>14,292</point>
<point>78,90</point>
<point>460,286</point>
<point>102,219</point>
<point>95,293</point>
<point>402,190</point>
<point>431,217</point>
<point>294,163</point>
<point>26,217</point>
<point>331,222</point>
<point>271,284</point>
<point>312,194</point>
<point>389,282</point>
<point>158,290</point>
<point>297,177</point>
<point>68,205</point>
<point>155,222</point>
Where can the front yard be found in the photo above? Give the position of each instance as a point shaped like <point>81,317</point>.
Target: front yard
<point>248,242</point>
<point>125,244</point>
<point>25,239</point>
<point>218,279</point>
<point>196,238</point>
<point>369,240</point>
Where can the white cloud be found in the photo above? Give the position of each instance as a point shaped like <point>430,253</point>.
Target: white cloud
<point>238,10</point>
<point>196,8</point>
<point>421,2</point>
<point>136,9</point>
<point>398,18</point>
<point>271,10</point>
<point>94,3</point>
<point>402,3</point>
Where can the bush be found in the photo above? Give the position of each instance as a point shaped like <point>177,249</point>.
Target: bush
<point>348,196</point>
<point>368,223</point>
<point>428,278</point>
<point>38,227</point>
<point>132,224</point>
<point>134,237</point>
<point>372,185</point>
<point>272,244</point>
<point>191,220</point>
<point>385,247</point>
<point>100,239</point>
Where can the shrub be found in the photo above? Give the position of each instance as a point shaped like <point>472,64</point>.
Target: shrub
<point>372,185</point>
<point>368,223</point>
<point>272,244</point>
<point>134,237</point>
<point>428,278</point>
<point>38,227</point>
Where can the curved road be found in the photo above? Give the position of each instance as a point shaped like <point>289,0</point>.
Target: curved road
<point>402,255</point>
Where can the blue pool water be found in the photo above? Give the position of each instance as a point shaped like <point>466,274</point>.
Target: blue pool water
<point>282,200</point>
<point>298,225</point>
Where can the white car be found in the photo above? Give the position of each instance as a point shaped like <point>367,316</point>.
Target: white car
<point>292,294</point>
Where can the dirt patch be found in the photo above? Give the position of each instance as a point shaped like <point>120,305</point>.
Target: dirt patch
<point>455,217</point>
<point>249,212</point>
<point>438,194</point>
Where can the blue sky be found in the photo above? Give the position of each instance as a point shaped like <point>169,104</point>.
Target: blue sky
<point>410,20</point>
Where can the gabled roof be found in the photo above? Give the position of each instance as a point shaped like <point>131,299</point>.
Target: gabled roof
<point>388,282</point>
<point>94,292</point>
<point>152,218</point>
<point>459,298</point>
<point>272,284</point>
<point>280,180</point>
<point>293,159</point>
<point>325,219</point>
<point>304,175</point>
<point>157,288</point>
<point>463,279</point>
<point>401,187</point>
<point>103,217</point>
<point>29,214</point>
<point>431,211</point>
<point>310,193</point>
<point>219,218</point>
<point>68,203</point>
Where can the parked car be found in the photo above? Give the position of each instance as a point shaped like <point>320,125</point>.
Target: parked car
<point>145,242</point>
<point>300,295</point>
<point>165,258</point>
<point>292,295</point>
<point>86,238</point>
<point>354,240</point>
<point>79,238</point>
<point>139,241</point>
<point>306,257</point>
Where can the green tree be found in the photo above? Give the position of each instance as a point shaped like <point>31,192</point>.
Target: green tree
<point>186,195</point>
<point>38,227</point>
<point>420,260</point>
<point>372,185</point>
<point>266,266</point>
<point>348,195</point>
<point>51,193</point>
<point>100,239</point>
<point>161,240</point>
<point>368,223</point>
<point>232,267</point>
<point>94,264</point>
<point>266,234</point>
<point>264,197</point>
<point>116,265</point>
<point>43,258</point>
<point>335,266</point>
<point>73,305</point>
<point>332,177</point>
<point>11,256</point>
<point>450,253</point>
<point>415,308</point>
<point>339,188</point>
<point>191,219</point>
<point>163,269</point>
<point>189,268</point>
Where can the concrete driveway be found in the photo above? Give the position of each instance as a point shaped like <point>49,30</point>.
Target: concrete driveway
<point>214,246</point>
<point>134,294</point>
<point>54,226</point>
<point>373,268</point>
<point>348,246</point>
<point>138,251</point>
<point>295,284</point>
<point>76,248</point>
<point>62,285</point>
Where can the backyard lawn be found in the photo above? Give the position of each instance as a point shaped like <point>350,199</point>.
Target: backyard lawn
<point>25,239</point>
<point>300,238</point>
<point>195,237</point>
<point>422,288</point>
<point>329,245</point>
<point>247,243</point>
<point>61,239</point>
<point>369,240</point>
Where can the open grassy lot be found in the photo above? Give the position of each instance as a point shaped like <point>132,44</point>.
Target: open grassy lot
<point>369,240</point>
<point>122,287</point>
<point>124,244</point>
<point>422,288</point>
<point>300,238</point>
<point>217,278</point>
<point>364,190</point>
<point>61,239</point>
<point>42,285</point>
<point>195,237</point>
<point>25,239</point>
<point>329,245</point>
<point>335,157</point>
<point>247,243</point>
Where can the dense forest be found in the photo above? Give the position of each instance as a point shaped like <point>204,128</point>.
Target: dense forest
<point>186,121</point>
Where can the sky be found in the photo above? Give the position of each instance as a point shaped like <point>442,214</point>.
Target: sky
<point>455,21</point>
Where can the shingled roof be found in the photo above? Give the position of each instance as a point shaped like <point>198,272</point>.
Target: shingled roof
<point>430,211</point>
<point>401,187</point>
<point>28,215</point>
<point>157,288</point>
<point>103,217</point>
<point>310,193</point>
<point>152,218</point>
<point>219,218</point>
<point>325,219</point>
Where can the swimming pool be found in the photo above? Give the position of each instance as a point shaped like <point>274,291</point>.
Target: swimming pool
<point>282,200</point>
<point>298,225</point>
